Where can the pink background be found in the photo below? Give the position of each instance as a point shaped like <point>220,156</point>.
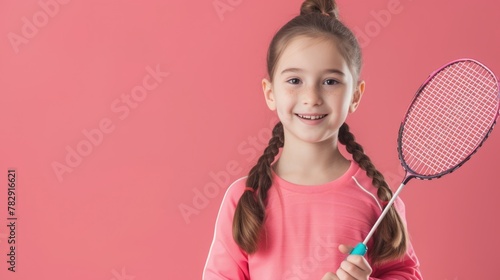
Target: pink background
<point>115,213</point>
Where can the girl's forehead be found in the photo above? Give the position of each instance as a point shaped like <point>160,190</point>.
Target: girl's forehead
<point>312,54</point>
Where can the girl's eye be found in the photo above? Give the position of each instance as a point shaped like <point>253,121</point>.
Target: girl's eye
<point>293,81</point>
<point>296,81</point>
<point>331,82</point>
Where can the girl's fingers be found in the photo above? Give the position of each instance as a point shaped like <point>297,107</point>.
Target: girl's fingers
<point>359,262</point>
<point>345,249</point>
<point>349,270</point>
<point>354,266</point>
<point>344,275</point>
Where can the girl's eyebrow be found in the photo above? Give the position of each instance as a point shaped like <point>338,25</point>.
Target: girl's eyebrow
<point>301,70</point>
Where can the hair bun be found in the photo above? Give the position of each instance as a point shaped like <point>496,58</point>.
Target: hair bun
<point>325,7</point>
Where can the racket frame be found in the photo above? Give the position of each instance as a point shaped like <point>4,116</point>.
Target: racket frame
<point>410,174</point>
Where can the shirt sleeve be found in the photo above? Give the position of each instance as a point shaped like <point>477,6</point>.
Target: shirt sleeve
<point>405,269</point>
<point>225,259</point>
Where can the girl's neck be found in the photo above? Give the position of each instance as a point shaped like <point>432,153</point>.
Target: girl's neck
<point>311,163</point>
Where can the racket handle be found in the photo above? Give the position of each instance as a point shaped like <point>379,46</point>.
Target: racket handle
<point>360,249</point>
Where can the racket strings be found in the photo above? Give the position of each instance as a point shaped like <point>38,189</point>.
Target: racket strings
<point>445,131</point>
<point>449,119</point>
<point>440,137</point>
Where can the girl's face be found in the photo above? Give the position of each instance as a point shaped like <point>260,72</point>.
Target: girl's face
<point>312,90</point>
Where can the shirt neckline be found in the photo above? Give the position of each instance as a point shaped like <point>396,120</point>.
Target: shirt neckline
<point>353,168</point>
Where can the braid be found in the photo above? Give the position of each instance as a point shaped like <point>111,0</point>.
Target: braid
<point>390,241</point>
<point>250,211</point>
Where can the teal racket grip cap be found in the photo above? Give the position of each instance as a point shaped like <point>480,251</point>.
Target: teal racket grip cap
<point>360,249</point>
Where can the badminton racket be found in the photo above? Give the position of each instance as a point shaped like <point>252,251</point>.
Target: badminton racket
<point>450,117</point>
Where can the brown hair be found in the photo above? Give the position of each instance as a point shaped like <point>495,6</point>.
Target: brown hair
<point>317,19</point>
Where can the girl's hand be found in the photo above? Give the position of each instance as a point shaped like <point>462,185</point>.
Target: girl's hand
<point>355,267</point>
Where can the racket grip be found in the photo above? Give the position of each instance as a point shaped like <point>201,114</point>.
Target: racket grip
<point>360,249</point>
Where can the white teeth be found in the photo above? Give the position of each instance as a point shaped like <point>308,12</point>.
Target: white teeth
<point>311,117</point>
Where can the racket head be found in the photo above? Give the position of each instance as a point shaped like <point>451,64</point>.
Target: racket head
<point>449,118</point>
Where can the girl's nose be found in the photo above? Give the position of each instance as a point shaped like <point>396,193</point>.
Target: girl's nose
<point>312,96</point>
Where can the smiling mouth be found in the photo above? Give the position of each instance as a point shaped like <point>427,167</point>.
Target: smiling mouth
<point>311,117</point>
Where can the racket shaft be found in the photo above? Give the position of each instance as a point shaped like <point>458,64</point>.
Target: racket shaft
<point>360,249</point>
<point>375,226</point>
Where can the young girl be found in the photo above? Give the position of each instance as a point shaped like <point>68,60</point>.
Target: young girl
<point>297,216</point>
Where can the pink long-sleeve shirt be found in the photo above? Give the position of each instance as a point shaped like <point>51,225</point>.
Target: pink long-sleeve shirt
<point>303,229</point>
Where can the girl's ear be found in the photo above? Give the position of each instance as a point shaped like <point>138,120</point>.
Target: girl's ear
<point>356,98</point>
<point>268,94</point>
